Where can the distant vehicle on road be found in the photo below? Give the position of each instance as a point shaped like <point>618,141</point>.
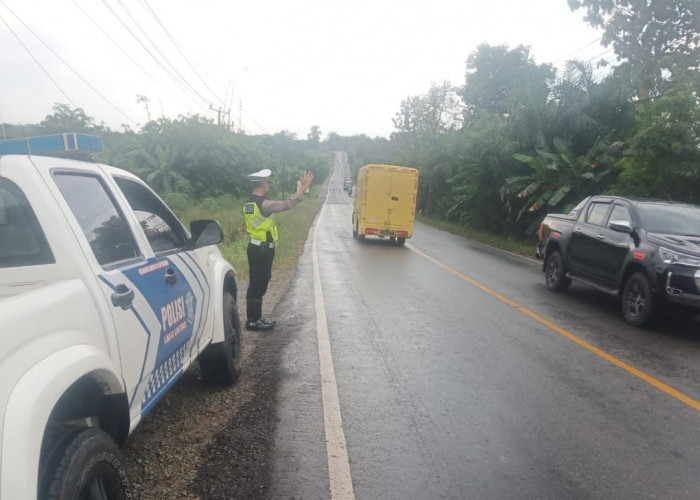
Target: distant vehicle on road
<point>647,252</point>
<point>385,202</point>
<point>347,184</point>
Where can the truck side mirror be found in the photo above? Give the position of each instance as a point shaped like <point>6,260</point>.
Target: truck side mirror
<point>621,226</point>
<point>206,232</point>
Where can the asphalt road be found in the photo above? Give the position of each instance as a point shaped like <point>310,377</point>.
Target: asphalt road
<point>459,375</point>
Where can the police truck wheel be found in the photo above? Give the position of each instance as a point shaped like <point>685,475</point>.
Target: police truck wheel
<point>554,273</point>
<point>221,363</point>
<point>89,466</point>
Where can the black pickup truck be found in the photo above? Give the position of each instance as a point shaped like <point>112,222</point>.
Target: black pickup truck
<point>645,251</point>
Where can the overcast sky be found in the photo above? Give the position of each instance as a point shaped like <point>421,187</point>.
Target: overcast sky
<point>289,64</point>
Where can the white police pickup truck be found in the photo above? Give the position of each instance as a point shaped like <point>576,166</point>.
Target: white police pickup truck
<point>105,300</point>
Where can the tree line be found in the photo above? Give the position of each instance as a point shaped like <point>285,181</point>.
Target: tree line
<point>515,140</point>
<point>518,139</point>
<point>191,158</point>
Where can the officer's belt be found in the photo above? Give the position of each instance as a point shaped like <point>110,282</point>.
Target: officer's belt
<point>258,243</point>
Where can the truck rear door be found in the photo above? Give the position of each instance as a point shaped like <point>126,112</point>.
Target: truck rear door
<point>390,197</point>
<point>377,193</point>
<point>403,185</point>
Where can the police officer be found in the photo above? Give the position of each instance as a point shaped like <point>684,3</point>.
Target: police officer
<point>260,223</point>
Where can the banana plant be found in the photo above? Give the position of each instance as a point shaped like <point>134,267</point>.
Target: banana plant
<point>556,177</point>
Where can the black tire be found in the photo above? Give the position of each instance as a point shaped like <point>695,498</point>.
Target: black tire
<point>400,241</point>
<point>555,273</point>
<point>360,237</point>
<point>222,363</point>
<point>87,466</point>
<point>638,304</point>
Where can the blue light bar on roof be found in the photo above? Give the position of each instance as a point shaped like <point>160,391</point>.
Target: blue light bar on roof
<point>48,144</point>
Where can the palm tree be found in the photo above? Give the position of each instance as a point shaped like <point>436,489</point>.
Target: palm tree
<point>157,171</point>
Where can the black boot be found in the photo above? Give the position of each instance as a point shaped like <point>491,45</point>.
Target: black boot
<point>259,325</point>
<point>254,311</point>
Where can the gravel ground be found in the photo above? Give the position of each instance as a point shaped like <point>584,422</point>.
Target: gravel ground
<point>214,443</point>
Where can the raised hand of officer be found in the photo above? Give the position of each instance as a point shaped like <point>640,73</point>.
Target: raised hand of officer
<point>305,181</point>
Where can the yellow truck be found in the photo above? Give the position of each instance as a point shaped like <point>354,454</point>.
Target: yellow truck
<point>385,202</point>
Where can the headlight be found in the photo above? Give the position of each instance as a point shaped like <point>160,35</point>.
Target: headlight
<point>670,257</point>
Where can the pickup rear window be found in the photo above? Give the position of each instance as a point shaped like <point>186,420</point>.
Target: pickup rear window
<point>22,242</point>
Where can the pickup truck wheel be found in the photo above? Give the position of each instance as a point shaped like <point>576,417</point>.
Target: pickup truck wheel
<point>638,305</point>
<point>221,363</point>
<point>87,466</point>
<point>554,273</point>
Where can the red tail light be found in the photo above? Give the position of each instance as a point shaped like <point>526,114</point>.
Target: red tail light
<point>370,231</point>
<point>400,233</point>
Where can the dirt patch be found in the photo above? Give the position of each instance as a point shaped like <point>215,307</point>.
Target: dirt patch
<point>211,443</point>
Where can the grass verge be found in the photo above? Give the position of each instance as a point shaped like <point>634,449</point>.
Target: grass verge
<point>293,228</point>
<point>525,248</point>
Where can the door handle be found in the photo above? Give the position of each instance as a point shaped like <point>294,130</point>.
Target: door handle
<point>601,237</point>
<point>578,230</point>
<point>170,276</point>
<point>122,297</point>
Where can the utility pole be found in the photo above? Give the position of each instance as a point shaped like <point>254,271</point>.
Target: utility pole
<point>240,120</point>
<point>219,113</point>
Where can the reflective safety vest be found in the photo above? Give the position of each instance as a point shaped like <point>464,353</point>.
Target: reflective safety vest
<point>257,225</point>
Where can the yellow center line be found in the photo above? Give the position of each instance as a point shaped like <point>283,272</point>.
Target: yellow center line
<point>612,359</point>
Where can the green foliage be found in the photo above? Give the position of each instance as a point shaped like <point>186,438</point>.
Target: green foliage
<point>67,119</point>
<point>437,112</point>
<point>558,178</point>
<point>663,155</point>
<point>314,136</point>
<point>649,38</point>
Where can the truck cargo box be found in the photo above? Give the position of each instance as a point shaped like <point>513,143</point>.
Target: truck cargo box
<point>385,202</point>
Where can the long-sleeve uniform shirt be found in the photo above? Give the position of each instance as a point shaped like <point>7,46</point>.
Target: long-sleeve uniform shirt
<point>269,207</point>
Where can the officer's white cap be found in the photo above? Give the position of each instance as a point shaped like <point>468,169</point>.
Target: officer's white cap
<point>260,175</point>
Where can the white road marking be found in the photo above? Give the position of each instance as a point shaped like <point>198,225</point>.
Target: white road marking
<point>336,448</point>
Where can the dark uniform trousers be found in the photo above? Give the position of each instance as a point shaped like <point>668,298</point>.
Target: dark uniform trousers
<point>260,259</point>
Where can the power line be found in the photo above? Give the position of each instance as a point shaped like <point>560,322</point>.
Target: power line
<point>126,53</point>
<point>36,60</point>
<point>160,52</point>
<point>567,56</point>
<point>253,120</point>
<point>68,65</point>
<point>140,42</point>
<point>177,46</point>
<point>602,54</point>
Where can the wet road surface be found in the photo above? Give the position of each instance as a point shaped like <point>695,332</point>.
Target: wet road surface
<point>459,375</point>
